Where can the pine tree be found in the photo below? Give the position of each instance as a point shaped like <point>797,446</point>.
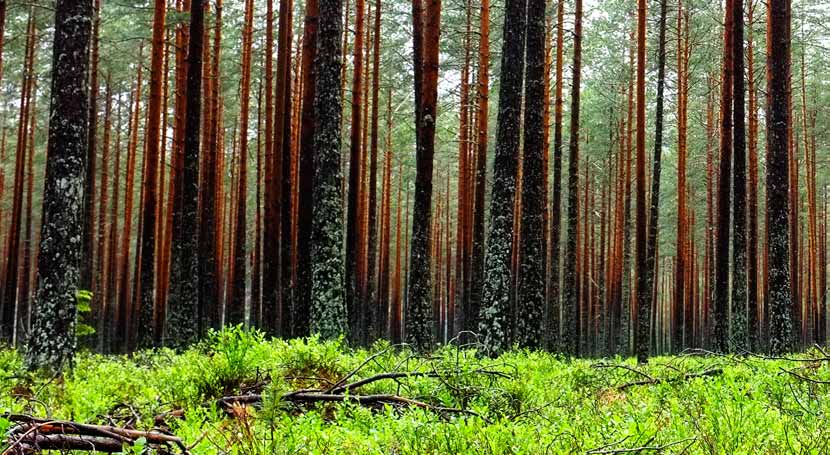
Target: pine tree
<point>419,315</point>
<point>328,305</point>
<point>52,341</point>
<point>778,184</point>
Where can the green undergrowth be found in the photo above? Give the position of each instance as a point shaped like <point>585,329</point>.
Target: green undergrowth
<point>522,402</point>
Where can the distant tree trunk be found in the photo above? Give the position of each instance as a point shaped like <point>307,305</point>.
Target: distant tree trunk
<point>371,317</point>
<point>306,202</point>
<point>124,306</point>
<point>236,306</point>
<point>328,305</point>
<point>419,316</point>
<point>24,295</point>
<point>355,185</point>
<point>283,146</point>
<point>570,298</point>
<point>10,281</point>
<point>553,316</point>
<point>209,303</point>
<point>182,313</point>
<point>778,185</point>
<point>110,319</point>
<point>531,301</point>
<point>150,182</point>
<point>654,209</point>
<point>753,304</point>
<point>270,234</point>
<point>52,341</point>
<point>473,307</point>
<point>88,240</point>
<point>720,309</point>
<point>103,270</point>
<point>739,328</point>
<point>384,278</point>
<point>641,334</point>
<point>495,322</point>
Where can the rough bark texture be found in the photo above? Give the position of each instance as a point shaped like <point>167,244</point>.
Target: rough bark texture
<point>52,340</point>
<point>778,124</point>
<point>495,324</point>
<point>531,301</point>
<point>419,314</point>
<point>720,310</point>
<point>739,325</point>
<point>643,311</point>
<point>328,305</point>
<point>554,306</point>
<point>306,174</point>
<point>570,298</point>
<point>182,316</point>
<point>654,208</point>
<point>147,270</point>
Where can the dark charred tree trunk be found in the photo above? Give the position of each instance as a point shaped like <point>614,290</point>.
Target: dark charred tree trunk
<point>654,208</point>
<point>570,297</point>
<point>739,323</point>
<point>643,312</point>
<point>52,340</point>
<point>328,305</point>
<point>554,306</point>
<point>495,322</point>
<point>778,184</point>
<point>182,315</point>
<point>531,301</point>
<point>720,310</point>
<point>306,175</point>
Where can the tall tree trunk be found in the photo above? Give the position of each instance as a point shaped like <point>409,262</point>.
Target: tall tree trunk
<point>146,337</point>
<point>654,208</point>
<point>531,302</point>
<point>553,316</point>
<point>641,334</point>
<point>182,313</point>
<point>570,297</point>
<point>371,317</point>
<point>753,303</point>
<point>236,306</point>
<point>778,185</point>
<point>419,316</point>
<point>52,342</point>
<point>88,239</point>
<point>720,305</point>
<point>739,328</point>
<point>495,324</point>
<point>473,308</point>
<point>328,305</point>
<point>307,168</point>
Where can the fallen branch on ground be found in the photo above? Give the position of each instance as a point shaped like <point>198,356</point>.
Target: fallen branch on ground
<point>704,374</point>
<point>34,434</point>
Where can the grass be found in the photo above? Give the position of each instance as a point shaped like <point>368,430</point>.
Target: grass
<point>544,404</point>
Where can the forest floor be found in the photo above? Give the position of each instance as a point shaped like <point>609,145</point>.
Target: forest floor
<point>310,397</point>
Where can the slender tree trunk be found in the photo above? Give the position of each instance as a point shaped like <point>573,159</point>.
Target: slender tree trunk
<point>570,297</point>
<point>88,240</point>
<point>473,308</point>
<point>419,317</point>
<point>721,300</point>
<point>739,326</point>
<point>182,314</point>
<point>654,208</point>
<point>778,185</point>
<point>146,301</point>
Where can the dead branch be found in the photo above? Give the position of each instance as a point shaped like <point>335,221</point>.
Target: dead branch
<point>708,373</point>
<point>646,448</point>
<point>33,434</point>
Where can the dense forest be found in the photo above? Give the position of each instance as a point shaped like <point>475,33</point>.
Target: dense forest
<point>592,179</point>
